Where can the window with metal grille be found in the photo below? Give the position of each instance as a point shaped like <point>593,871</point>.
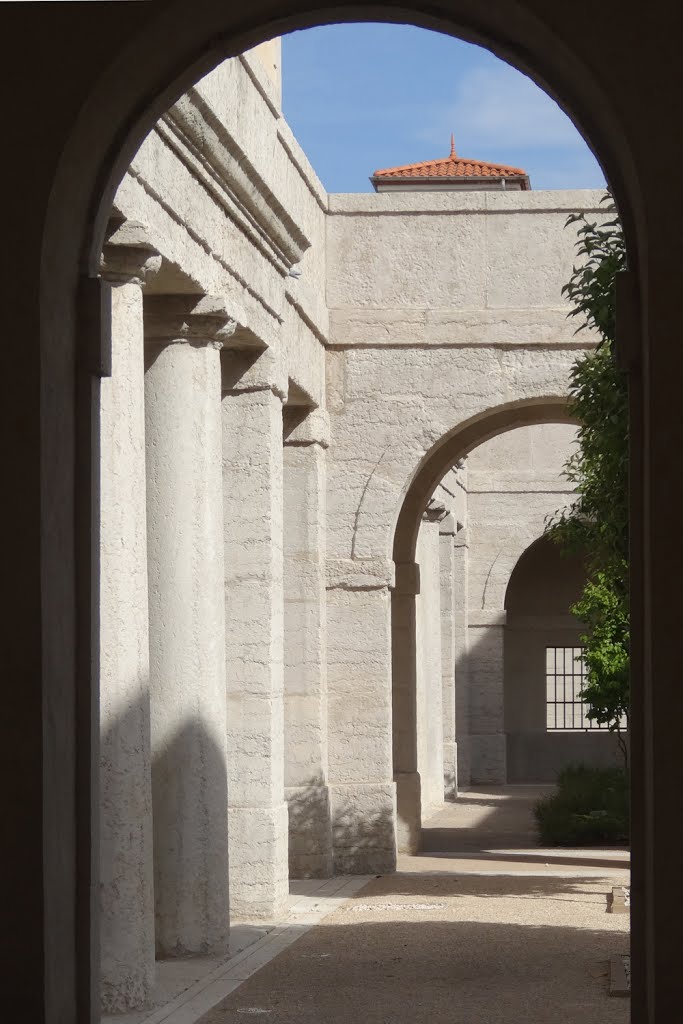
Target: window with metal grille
<point>564,679</point>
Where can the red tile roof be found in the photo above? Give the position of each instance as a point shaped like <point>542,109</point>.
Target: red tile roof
<point>453,166</point>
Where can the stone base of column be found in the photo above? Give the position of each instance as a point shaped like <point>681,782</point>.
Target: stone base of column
<point>450,770</point>
<point>125,988</point>
<point>364,828</point>
<point>488,760</point>
<point>310,832</point>
<point>259,876</point>
<point>408,812</point>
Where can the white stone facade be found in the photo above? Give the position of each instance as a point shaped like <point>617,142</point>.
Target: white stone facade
<point>309,357</point>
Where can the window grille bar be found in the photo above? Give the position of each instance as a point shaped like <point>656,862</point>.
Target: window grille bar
<point>565,677</point>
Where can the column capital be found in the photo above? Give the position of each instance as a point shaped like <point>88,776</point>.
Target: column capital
<point>435,512</point>
<point>304,427</point>
<point>250,370</point>
<point>128,256</point>
<point>187,319</point>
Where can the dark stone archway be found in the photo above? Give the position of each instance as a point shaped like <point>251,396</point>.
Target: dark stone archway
<point>98,77</point>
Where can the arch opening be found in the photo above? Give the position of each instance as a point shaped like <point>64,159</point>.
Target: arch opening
<point>488,590</point>
<point>91,220</point>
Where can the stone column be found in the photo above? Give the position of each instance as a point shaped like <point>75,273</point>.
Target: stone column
<point>485,671</point>
<point>460,626</point>
<point>184,335</point>
<point>305,640</point>
<point>447,571</point>
<point>404,655</point>
<point>126,873</point>
<point>253,393</point>
<point>428,679</point>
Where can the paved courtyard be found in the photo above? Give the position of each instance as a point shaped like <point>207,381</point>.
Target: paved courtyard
<point>498,934</point>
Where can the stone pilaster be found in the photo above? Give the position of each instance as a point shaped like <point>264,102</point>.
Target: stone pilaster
<point>429,718</point>
<point>460,625</point>
<point>253,393</point>
<point>404,593</point>
<point>447,571</point>
<point>184,335</point>
<point>486,634</point>
<point>126,873</point>
<point>305,643</point>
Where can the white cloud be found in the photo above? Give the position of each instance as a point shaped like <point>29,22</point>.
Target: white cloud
<point>496,108</point>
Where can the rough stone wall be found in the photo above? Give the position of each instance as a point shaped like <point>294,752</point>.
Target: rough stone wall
<point>513,482</point>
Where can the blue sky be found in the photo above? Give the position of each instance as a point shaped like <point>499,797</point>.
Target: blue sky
<point>361,97</point>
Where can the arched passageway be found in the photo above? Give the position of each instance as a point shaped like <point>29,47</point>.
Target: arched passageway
<point>479,549</point>
<point>279,433</point>
<point>112,95</point>
<point>545,723</point>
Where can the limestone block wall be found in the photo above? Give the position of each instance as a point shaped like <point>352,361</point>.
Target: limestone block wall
<point>389,284</point>
<point>514,482</point>
<point>419,345</point>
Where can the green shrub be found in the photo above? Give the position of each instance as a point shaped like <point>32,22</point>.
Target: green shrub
<point>590,807</point>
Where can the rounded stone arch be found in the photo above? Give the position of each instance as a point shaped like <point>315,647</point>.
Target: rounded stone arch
<point>541,638</point>
<point>168,47</point>
<point>540,561</point>
<point>453,445</point>
<point>177,46</point>
<point>456,444</point>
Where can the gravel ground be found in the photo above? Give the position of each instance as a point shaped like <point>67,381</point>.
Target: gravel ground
<point>434,944</point>
<point>499,932</point>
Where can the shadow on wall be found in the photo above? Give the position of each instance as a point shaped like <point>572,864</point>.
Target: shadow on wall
<point>190,813</point>
<point>489,752</point>
<point>365,845</point>
<point>310,829</point>
<point>164,887</point>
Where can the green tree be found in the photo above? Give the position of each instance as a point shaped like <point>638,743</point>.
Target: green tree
<point>596,523</point>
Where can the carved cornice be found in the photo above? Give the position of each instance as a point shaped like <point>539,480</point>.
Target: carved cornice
<point>231,177</point>
<point>128,255</point>
<point>247,371</point>
<point>189,319</point>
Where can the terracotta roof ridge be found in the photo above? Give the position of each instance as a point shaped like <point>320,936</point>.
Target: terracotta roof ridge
<point>449,160</point>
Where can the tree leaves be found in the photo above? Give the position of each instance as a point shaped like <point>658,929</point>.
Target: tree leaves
<point>596,523</point>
